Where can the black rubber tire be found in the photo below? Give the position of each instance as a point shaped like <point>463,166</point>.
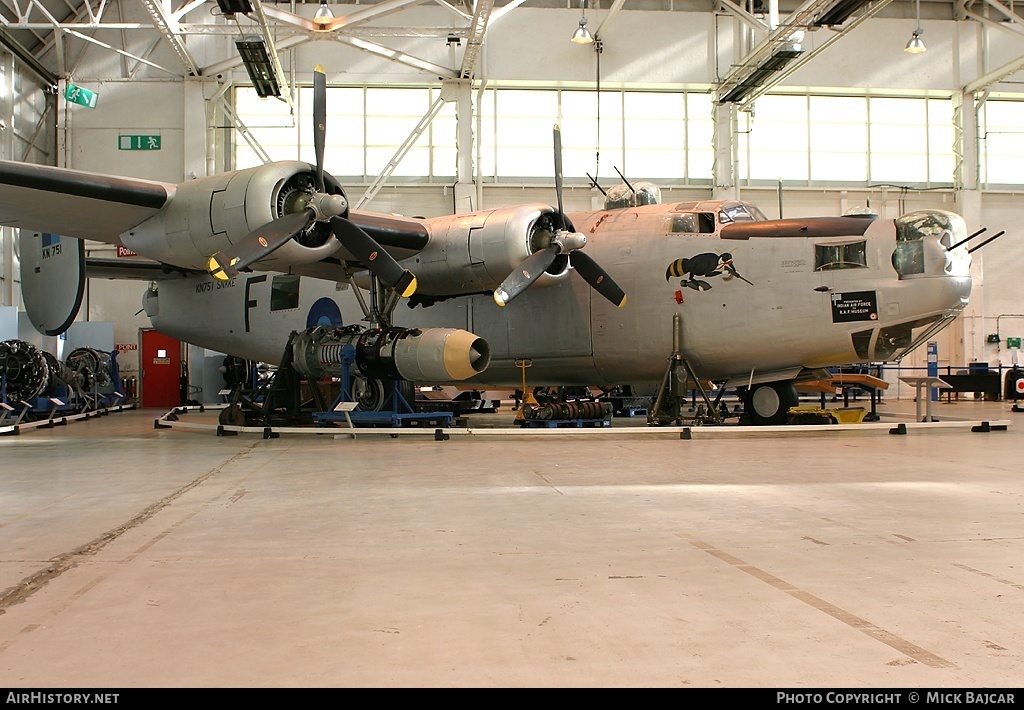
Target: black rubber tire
<point>768,404</point>
<point>231,416</point>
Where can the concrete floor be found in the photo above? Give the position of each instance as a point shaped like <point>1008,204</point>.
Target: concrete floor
<point>135,557</point>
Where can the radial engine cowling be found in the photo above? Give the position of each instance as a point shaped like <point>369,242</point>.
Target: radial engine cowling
<point>208,215</point>
<point>429,355</point>
<point>24,370</point>
<point>474,253</point>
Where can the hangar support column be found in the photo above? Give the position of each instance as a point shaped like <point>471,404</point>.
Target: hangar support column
<point>461,92</point>
<point>967,198</point>
<point>194,142</point>
<point>7,151</point>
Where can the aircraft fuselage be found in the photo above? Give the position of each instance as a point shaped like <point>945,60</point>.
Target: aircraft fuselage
<point>764,305</point>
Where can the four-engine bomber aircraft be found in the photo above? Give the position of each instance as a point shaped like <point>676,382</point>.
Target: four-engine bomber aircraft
<point>262,252</point>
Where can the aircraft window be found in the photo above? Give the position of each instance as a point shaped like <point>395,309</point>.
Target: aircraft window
<point>741,212</point>
<point>693,223</point>
<point>829,257</point>
<point>862,343</point>
<point>891,340</point>
<point>284,292</point>
<point>908,258</point>
<point>914,228</point>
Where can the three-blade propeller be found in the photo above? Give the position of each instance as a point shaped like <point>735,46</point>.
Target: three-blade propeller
<point>564,240</point>
<point>320,207</point>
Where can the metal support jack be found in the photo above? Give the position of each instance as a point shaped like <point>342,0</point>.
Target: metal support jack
<point>672,391</point>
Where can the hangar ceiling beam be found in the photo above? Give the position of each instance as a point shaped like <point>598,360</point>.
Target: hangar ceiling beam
<point>395,55</point>
<point>47,78</point>
<point>744,16</point>
<point>275,60</point>
<point>168,27</point>
<point>500,12</point>
<point>1012,23</point>
<point>448,6</point>
<point>236,61</point>
<point>802,19</point>
<point>995,76</point>
<point>475,38</point>
<point>104,45</point>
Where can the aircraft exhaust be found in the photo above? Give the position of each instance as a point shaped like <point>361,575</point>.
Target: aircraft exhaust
<point>422,355</point>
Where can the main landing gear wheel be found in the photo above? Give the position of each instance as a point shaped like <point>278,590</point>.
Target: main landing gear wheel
<point>768,404</point>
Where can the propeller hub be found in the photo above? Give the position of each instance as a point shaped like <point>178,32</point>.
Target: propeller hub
<point>325,206</point>
<point>569,241</point>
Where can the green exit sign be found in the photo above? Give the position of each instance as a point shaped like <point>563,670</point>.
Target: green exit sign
<point>80,96</point>
<point>1013,343</point>
<point>138,142</point>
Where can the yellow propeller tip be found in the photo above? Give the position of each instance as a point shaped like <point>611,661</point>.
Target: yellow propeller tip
<point>409,289</point>
<point>319,69</point>
<point>622,302</point>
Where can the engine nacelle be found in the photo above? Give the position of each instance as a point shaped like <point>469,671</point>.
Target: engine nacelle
<point>210,214</point>
<point>430,355</point>
<point>473,253</point>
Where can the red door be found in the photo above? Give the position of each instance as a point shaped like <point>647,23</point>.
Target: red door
<point>160,365</point>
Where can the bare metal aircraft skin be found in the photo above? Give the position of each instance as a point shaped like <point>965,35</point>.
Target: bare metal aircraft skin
<point>590,298</point>
<point>754,308</point>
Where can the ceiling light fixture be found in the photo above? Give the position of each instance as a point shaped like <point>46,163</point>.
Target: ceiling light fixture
<point>582,34</point>
<point>323,16</point>
<point>916,44</point>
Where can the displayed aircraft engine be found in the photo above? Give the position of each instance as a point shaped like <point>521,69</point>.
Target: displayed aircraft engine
<point>503,251</point>
<point>61,374</point>
<point>24,370</point>
<point>30,372</point>
<point>95,366</point>
<point>213,214</point>
<point>276,215</point>
<point>434,355</point>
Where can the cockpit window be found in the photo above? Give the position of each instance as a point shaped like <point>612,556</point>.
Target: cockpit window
<point>741,212</point>
<point>829,257</point>
<point>692,223</point>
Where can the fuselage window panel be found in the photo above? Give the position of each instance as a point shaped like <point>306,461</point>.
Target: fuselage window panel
<point>284,292</point>
<point>829,257</point>
<point>693,223</point>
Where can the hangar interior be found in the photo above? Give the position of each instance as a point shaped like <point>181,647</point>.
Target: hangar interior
<point>438,108</point>
<point>135,557</point>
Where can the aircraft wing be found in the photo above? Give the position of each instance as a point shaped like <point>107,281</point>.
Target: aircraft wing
<point>134,269</point>
<point>74,203</point>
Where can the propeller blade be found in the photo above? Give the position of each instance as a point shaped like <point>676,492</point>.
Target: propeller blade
<point>259,243</point>
<point>525,274</point>
<point>558,172</point>
<point>597,277</point>
<point>319,122</point>
<point>371,255</point>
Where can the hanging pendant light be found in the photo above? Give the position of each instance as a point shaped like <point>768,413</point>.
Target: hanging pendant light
<point>323,15</point>
<point>582,34</point>
<point>916,44</point>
